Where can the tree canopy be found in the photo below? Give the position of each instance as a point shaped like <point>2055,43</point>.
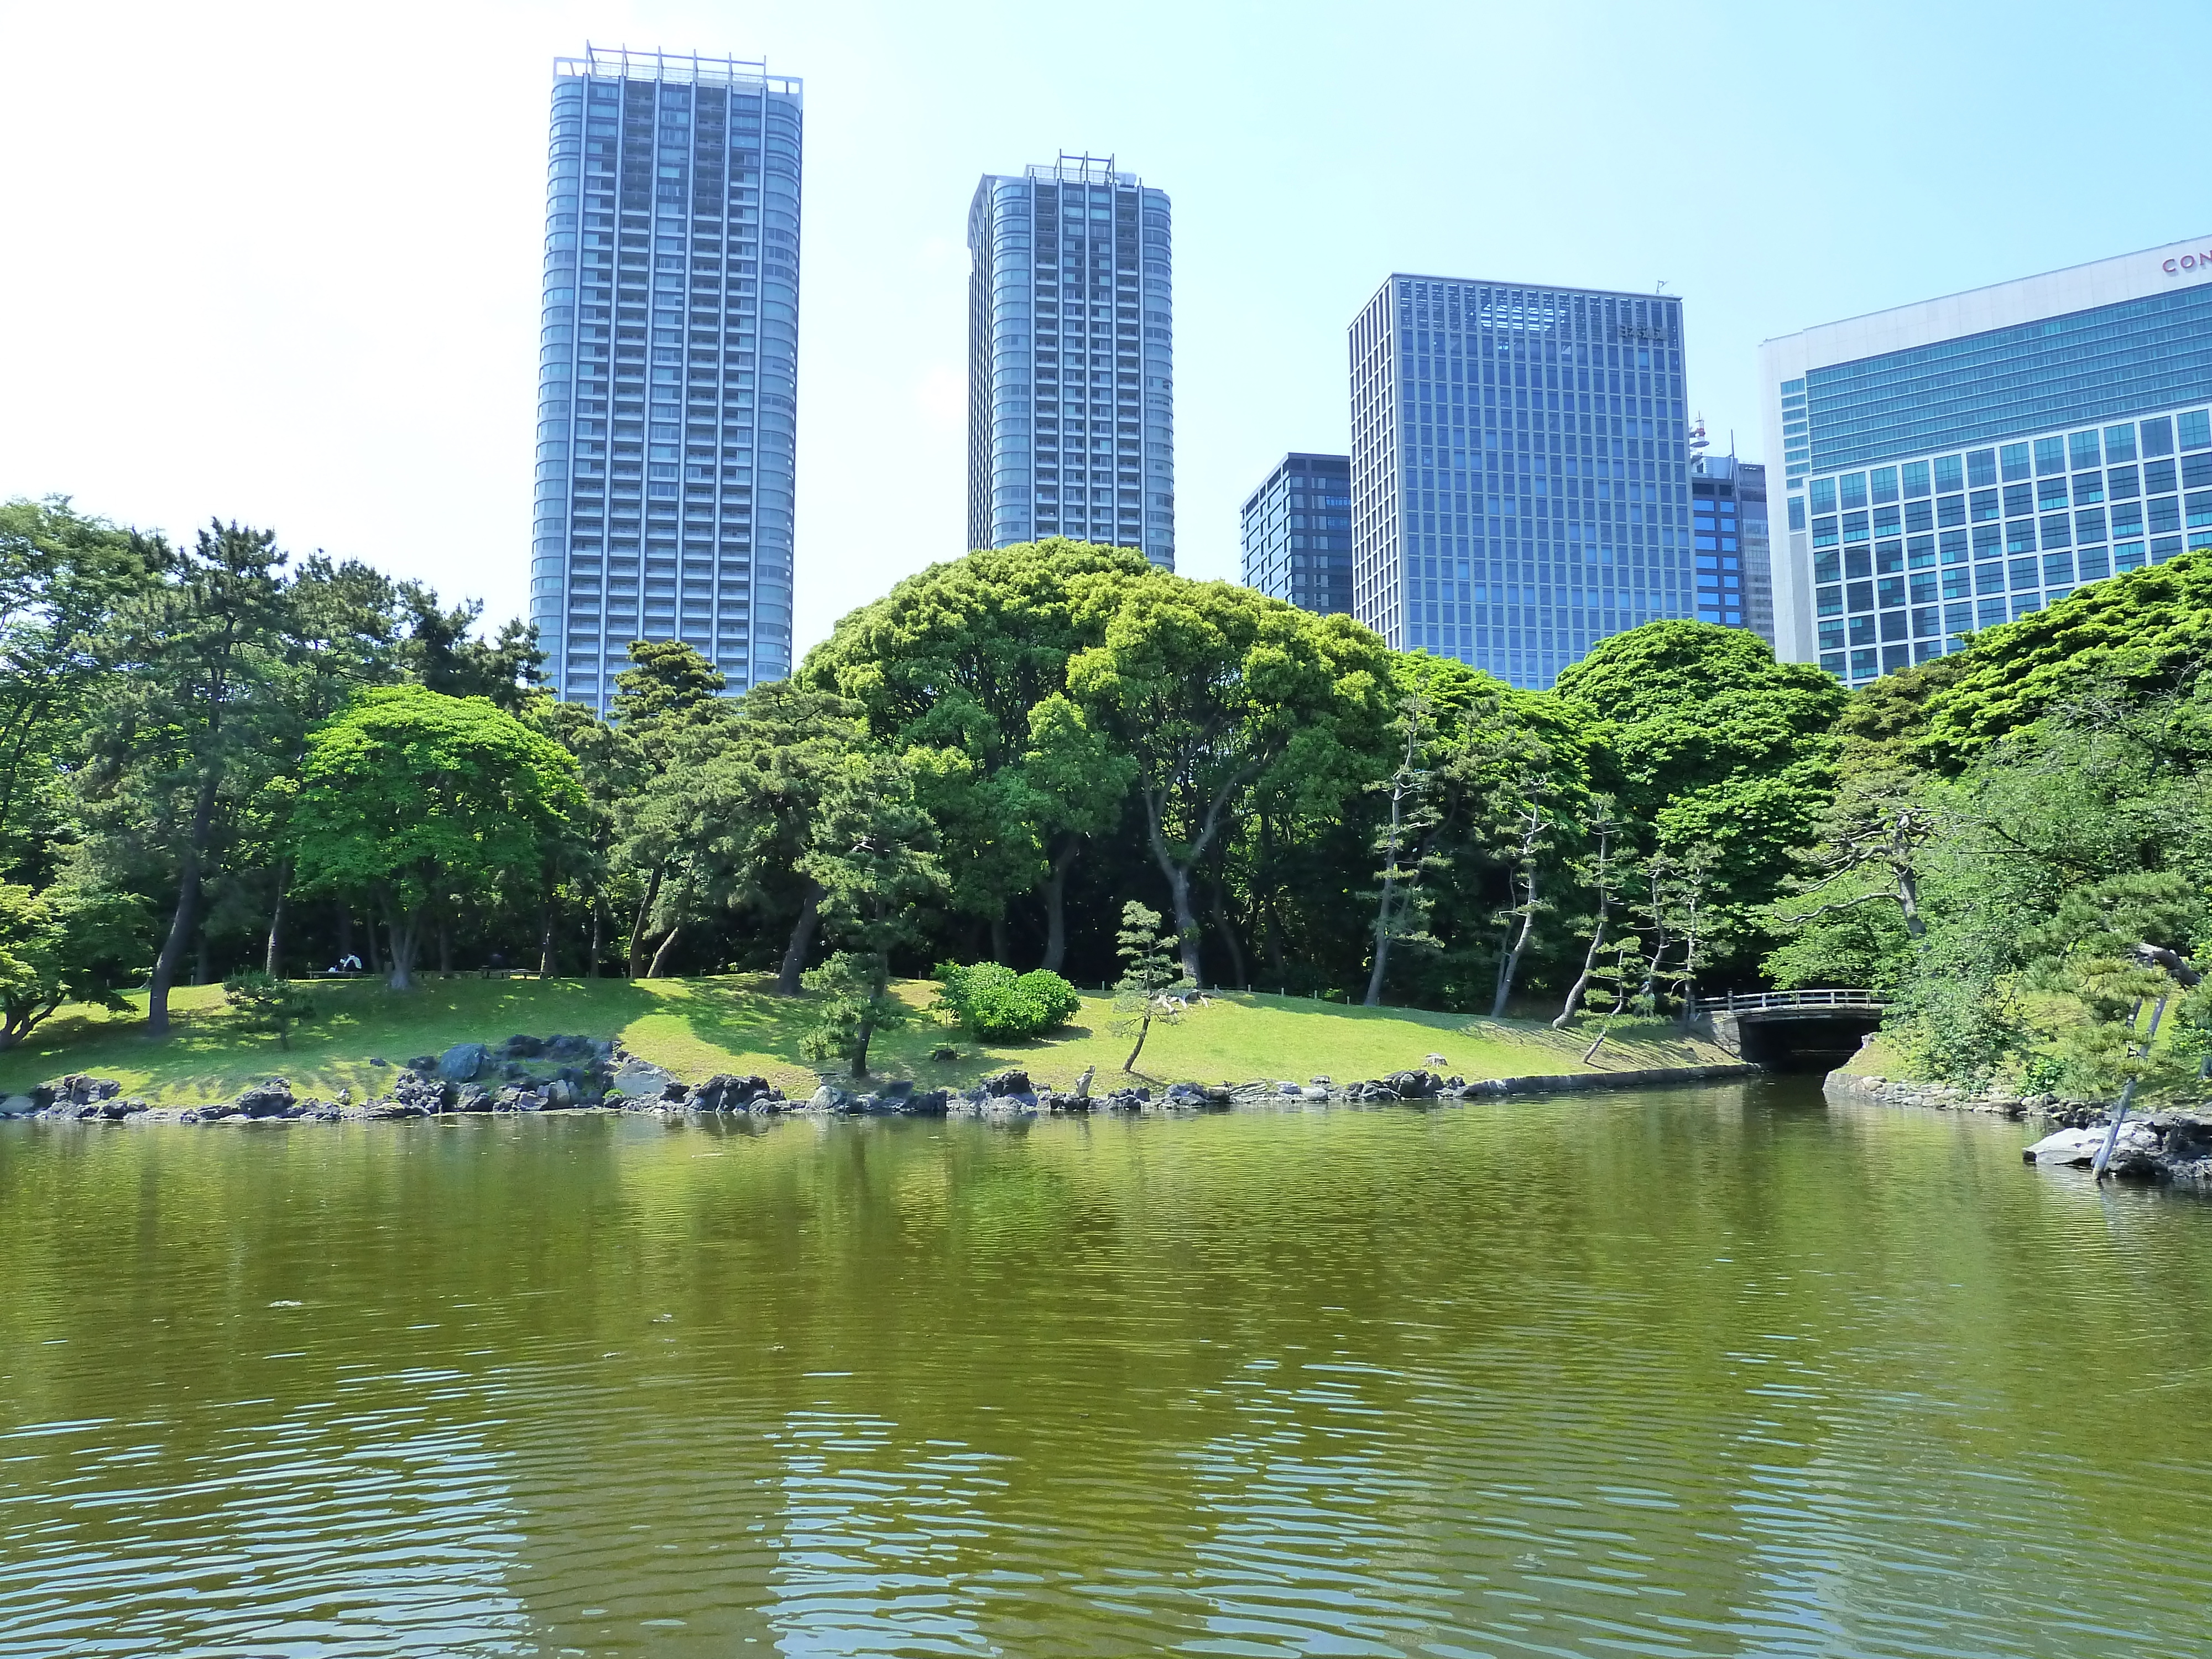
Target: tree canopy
<point>422,801</point>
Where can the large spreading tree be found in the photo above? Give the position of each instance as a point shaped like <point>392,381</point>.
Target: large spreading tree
<point>1214,692</point>
<point>419,801</point>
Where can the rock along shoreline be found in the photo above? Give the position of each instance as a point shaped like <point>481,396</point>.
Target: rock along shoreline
<point>2170,1146</point>
<point>585,1074</point>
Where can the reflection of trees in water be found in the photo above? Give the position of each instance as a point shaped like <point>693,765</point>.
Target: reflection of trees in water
<point>1723,1366</point>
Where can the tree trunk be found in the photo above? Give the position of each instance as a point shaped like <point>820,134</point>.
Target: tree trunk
<point>661,957</point>
<point>405,933</point>
<point>1144,1030</point>
<point>1908,901</point>
<point>1589,968</point>
<point>273,961</point>
<point>802,942</point>
<point>1236,971</point>
<point>1178,871</point>
<point>1511,964</point>
<point>1271,930</point>
<point>188,904</point>
<point>1055,905</point>
<point>999,951</point>
<point>877,983</point>
<point>1385,922</point>
<point>1374,997</point>
<point>644,913</point>
<point>1186,920</point>
<point>548,965</point>
<point>598,938</point>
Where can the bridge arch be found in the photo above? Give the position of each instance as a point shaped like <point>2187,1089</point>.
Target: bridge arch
<point>1811,1030</point>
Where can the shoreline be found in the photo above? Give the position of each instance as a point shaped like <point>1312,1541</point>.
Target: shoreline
<point>2168,1144</point>
<point>603,1080</point>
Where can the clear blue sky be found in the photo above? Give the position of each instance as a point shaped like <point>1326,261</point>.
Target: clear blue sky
<point>280,262</point>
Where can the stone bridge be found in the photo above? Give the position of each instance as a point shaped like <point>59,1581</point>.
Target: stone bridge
<point>1793,1031</point>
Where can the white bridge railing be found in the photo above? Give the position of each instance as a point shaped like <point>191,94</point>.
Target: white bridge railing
<point>1775,1002</point>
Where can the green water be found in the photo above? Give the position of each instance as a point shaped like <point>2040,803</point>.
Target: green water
<point>1720,1371</point>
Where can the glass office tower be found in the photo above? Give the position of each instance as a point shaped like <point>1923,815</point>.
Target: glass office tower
<point>1298,533</point>
<point>1728,530</point>
<point>1952,465</point>
<point>668,368</point>
<point>1520,469</point>
<point>1071,360</point>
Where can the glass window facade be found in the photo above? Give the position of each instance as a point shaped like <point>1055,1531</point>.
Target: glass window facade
<point>668,368</point>
<point>1298,533</point>
<point>1728,543</point>
<point>1071,360</point>
<point>2059,448</point>
<point>1519,471</point>
<point>2049,375</point>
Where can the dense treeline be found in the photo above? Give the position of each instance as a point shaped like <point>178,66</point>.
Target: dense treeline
<point>215,759</point>
<point>2020,845</point>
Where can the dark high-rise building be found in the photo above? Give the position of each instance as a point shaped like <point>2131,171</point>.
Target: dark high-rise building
<point>1728,527</point>
<point>668,371</point>
<point>1071,360</point>
<point>1298,533</point>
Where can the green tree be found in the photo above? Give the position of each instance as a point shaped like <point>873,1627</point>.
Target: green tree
<point>2137,637</point>
<point>1150,970</point>
<point>873,857</point>
<point>1401,903</point>
<point>440,654</point>
<point>739,804</point>
<point>1488,752</point>
<point>182,726</point>
<point>411,797</point>
<point>1213,692</point>
<point>266,1002</point>
<point>74,942</point>
<point>668,694</point>
<point>1707,741</point>
<point>1601,875</point>
<point>963,669</point>
<point>63,577</point>
<point>339,631</point>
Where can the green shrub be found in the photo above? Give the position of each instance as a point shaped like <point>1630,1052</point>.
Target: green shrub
<point>262,1002</point>
<point>995,1004</point>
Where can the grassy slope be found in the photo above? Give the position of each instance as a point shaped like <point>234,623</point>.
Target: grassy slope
<point>699,1026</point>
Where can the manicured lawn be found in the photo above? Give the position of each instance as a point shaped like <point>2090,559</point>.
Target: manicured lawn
<point>699,1026</point>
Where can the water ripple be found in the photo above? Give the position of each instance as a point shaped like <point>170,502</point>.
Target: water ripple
<point>1716,1373</point>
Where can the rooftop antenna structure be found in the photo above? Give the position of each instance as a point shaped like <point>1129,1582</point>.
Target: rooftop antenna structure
<point>1698,442</point>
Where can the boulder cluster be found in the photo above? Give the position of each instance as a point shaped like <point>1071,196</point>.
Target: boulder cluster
<point>563,1073</point>
<point>2161,1146</point>
<point>2156,1146</point>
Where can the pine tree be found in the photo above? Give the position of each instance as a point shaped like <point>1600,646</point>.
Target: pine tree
<point>1150,968</point>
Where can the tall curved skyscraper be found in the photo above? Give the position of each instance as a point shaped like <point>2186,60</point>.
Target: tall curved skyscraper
<point>668,368</point>
<point>1071,360</point>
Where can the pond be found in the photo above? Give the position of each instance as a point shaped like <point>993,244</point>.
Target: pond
<point>1684,1372</point>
